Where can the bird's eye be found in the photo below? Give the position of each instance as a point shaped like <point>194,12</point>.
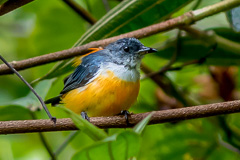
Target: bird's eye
<point>126,49</point>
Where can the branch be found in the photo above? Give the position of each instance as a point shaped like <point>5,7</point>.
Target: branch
<point>184,20</point>
<point>165,83</point>
<point>10,5</point>
<point>27,126</point>
<point>30,87</point>
<point>81,11</point>
<point>70,137</point>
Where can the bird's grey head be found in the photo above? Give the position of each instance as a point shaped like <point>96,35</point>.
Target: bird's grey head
<point>128,51</point>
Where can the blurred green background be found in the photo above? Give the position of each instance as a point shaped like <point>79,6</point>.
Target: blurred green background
<point>42,27</point>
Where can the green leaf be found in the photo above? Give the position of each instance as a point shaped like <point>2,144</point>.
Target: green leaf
<point>31,100</point>
<point>142,124</point>
<point>233,17</point>
<point>129,15</point>
<point>19,108</point>
<point>118,147</point>
<point>92,131</point>
<point>226,53</point>
<point>3,1</point>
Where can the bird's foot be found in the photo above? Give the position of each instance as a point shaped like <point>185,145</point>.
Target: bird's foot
<point>85,116</point>
<point>126,115</point>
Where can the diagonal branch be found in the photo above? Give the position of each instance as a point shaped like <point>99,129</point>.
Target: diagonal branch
<point>10,5</point>
<point>27,126</point>
<point>81,11</point>
<point>30,87</point>
<point>184,20</point>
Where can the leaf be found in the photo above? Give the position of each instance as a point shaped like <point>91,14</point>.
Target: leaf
<point>19,108</point>
<point>233,17</point>
<point>142,124</point>
<point>129,15</point>
<point>31,100</point>
<point>92,131</point>
<point>118,147</point>
<point>3,1</point>
<point>226,53</point>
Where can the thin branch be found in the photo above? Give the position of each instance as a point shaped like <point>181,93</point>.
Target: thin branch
<point>30,87</point>
<point>172,68</point>
<point>66,142</point>
<point>165,83</point>
<point>184,20</point>
<point>81,11</point>
<point>171,62</point>
<point>176,53</point>
<point>210,37</point>
<point>10,5</point>
<point>197,61</point>
<point>227,145</point>
<point>43,139</point>
<point>173,115</point>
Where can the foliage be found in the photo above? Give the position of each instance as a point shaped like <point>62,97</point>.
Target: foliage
<point>39,28</point>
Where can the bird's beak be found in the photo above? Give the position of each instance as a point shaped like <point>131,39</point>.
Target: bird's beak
<point>145,50</point>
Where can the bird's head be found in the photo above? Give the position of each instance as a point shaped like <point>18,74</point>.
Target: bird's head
<point>128,51</point>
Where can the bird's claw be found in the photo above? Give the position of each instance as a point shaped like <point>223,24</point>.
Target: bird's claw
<point>85,116</point>
<point>126,115</point>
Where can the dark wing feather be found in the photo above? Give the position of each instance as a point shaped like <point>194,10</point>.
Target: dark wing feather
<point>83,73</point>
<point>86,70</point>
<point>79,78</point>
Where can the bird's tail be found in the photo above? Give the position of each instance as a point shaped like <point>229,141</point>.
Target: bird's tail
<point>54,101</point>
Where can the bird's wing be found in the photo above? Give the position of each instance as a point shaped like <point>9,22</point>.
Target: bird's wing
<point>86,71</point>
<point>78,60</point>
<point>81,76</point>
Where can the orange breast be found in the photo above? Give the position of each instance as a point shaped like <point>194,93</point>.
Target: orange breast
<point>107,95</point>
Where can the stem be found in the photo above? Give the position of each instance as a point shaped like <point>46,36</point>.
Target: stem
<point>81,11</point>
<point>30,87</point>
<point>228,44</point>
<point>66,142</point>
<point>170,63</point>
<point>10,5</point>
<point>165,83</point>
<point>211,38</point>
<point>215,8</point>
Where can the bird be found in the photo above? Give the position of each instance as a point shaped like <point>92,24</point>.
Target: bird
<point>106,81</point>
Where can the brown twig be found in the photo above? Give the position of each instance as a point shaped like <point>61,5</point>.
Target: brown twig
<point>30,87</point>
<point>184,20</point>
<point>165,83</point>
<point>169,63</point>
<point>161,71</point>
<point>81,11</point>
<point>27,126</point>
<point>10,5</point>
